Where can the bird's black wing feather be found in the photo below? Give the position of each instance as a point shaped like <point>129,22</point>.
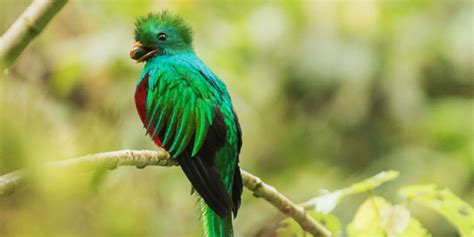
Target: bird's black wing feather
<point>237,185</point>
<point>201,171</point>
<point>207,182</point>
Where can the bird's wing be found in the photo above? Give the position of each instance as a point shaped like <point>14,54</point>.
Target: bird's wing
<point>183,110</point>
<point>180,108</point>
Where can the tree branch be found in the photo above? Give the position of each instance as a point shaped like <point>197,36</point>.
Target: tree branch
<point>282,203</point>
<point>26,28</point>
<point>111,160</point>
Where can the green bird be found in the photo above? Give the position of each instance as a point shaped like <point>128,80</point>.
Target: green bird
<point>187,110</point>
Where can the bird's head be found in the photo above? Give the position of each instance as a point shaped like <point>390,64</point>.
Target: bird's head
<point>159,34</point>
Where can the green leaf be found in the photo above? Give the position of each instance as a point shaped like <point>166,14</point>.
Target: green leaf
<point>413,229</point>
<point>329,221</point>
<point>377,217</point>
<point>288,227</point>
<point>372,182</point>
<point>446,203</point>
<point>327,202</point>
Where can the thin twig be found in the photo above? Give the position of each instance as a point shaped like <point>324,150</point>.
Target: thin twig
<point>26,28</point>
<point>110,160</point>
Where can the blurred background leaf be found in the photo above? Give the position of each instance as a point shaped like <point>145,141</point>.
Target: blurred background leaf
<point>327,201</point>
<point>443,201</point>
<point>377,217</point>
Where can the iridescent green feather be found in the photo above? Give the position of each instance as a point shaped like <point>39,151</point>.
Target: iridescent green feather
<point>184,103</point>
<point>201,130</point>
<point>181,104</point>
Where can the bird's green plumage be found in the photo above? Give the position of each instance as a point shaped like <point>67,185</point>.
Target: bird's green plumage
<point>189,109</point>
<point>178,90</point>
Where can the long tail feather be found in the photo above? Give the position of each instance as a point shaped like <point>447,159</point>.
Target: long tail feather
<point>214,226</point>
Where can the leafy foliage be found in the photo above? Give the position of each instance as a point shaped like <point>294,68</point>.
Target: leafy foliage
<point>443,201</point>
<point>376,217</point>
<point>327,202</point>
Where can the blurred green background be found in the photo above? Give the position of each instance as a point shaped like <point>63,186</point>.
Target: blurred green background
<point>328,93</point>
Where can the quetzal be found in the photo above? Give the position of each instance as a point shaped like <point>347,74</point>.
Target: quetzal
<point>187,110</point>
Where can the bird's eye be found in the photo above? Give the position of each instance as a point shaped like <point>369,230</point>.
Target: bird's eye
<point>162,36</point>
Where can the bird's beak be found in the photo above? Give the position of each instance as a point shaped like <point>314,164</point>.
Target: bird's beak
<point>141,53</point>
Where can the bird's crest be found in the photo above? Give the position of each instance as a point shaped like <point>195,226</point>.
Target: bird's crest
<point>162,19</point>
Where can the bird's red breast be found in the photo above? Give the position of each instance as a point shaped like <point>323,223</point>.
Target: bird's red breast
<point>140,103</point>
